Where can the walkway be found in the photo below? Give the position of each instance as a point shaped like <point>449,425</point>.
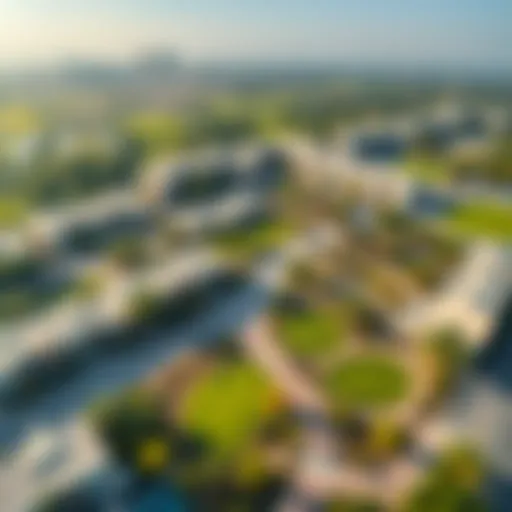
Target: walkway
<point>320,472</point>
<point>50,445</point>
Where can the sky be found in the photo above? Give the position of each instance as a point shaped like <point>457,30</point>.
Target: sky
<point>473,33</point>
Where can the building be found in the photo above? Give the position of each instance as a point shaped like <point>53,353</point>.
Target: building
<point>470,299</point>
<point>48,350</point>
<point>89,226</point>
<point>428,201</point>
<point>214,174</point>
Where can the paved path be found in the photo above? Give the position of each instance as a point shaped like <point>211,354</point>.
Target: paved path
<point>258,341</point>
<point>320,473</point>
<point>50,445</point>
<point>318,445</point>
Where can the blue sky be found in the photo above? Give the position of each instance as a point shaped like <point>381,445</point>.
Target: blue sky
<point>467,32</point>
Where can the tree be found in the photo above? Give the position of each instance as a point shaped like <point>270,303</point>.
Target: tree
<point>152,455</point>
<point>129,253</point>
<point>385,440</point>
<point>143,307</point>
<point>135,431</point>
<point>449,350</point>
<point>454,483</point>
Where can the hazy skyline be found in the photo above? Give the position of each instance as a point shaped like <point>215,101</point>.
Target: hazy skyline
<point>468,33</point>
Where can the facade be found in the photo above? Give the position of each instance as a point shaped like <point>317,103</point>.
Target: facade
<point>428,201</point>
<point>377,147</point>
<point>51,348</point>
<point>471,299</point>
<point>50,443</point>
<point>89,226</point>
<point>214,174</point>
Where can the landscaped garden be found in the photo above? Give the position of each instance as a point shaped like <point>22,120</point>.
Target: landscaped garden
<point>251,241</point>
<point>453,483</point>
<point>310,333</point>
<point>227,408</point>
<point>428,169</point>
<point>367,381</point>
<point>482,219</point>
<point>416,250</point>
<point>134,429</point>
<point>209,437</point>
<point>13,211</point>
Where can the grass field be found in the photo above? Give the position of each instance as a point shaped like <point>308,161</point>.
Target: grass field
<point>254,240</point>
<point>367,381</point>
<point>482,219</point>
<point>310,333</point>
<point>13,211</point>
<point>226,408</point>
<point>427,170</point>
<point>159,132</point>
<point>18,120</point>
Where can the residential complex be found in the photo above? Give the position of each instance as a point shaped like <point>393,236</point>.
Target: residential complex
<point>302,312</point>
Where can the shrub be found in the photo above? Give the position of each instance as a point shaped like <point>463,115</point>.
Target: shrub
<point>454,483</point>
<point>449,350</point>
<point>135,431</point>
<point>367,381</point>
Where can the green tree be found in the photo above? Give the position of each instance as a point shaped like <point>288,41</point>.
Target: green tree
<point>453,484</point>
<point>143,307</point>
<point>135,431</point>
<point>449,349</point>
<point>129,253</point>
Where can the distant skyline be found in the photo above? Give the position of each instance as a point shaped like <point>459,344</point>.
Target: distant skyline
<point>465,33</point>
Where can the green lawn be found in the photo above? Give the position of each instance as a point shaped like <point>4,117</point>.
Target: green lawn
<point>310,333</point>
<point>18,303</point>
<point>18,120</point>
<point>367,381</point>
<point>427,170</point>
<point>227,407</point>
<point>482,219</point>
<point>13,211</point>
<point>159,132</point>
<point>254,240</point>
<point>454,482</point>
